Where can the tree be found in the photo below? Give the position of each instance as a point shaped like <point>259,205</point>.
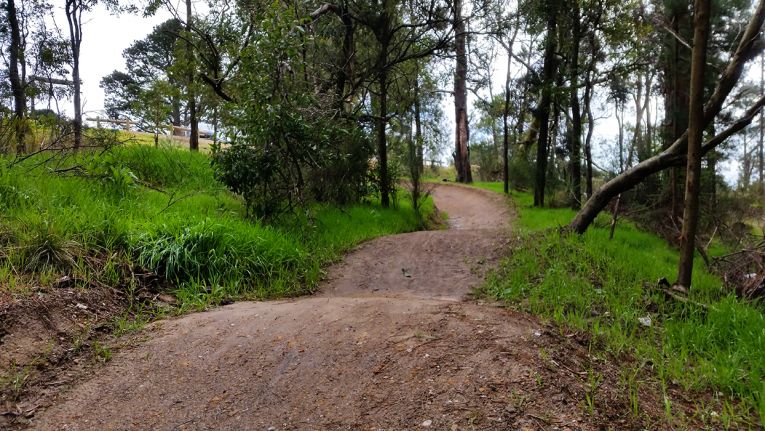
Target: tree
<point>462,135</point>
<point>747,48</point>
<point>549,71</point>
<point>153,109</point>
<point>156,57</point>
<point>15,57</point>
<point>190,86</point>
<point>74,10</point>
<point>701,12</point>
<point>576,114</point>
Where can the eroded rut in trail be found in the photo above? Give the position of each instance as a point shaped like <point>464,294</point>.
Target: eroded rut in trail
<point>390,342</point>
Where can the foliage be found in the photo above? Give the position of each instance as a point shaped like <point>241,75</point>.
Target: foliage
<point>288,150</point>
<point>170,217</point>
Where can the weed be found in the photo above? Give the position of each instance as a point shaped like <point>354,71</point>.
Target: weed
<point>593,383</point>
<point>15,382</point>
<point>102,352</point>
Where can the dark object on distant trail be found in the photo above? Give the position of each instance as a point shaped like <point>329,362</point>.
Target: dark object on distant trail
<point>446,180</point>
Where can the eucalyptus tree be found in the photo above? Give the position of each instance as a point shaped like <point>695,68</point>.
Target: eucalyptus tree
<point>15,60</point>
<point>155,57</point>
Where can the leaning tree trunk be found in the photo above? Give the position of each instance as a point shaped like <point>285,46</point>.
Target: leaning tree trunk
<point>701,12</point>
<point>17,86</point>
<point>747,48</point>
<point>548,75</point>
<point>191,93</point>
<point>462,137</point>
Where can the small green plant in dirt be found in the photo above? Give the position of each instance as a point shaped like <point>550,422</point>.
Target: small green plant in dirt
<point>15,381</point>
<point>593,383</point>
<point>102,352</point>
<point>712,343</point>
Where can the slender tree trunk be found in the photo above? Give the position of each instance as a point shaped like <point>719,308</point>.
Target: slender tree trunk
<point>588,138</point>
<point>619,112</point>
<point>505,128</point>
<point>576,113</point>
<point>73,11</point>
<point>15,57</point>
<point>462,136</point>
<point>418,126</point>
<point>761,147</point>
<point>346,69</point>
<point>548,76</point>
<point>506,112</point>
<point>382,144</point>
<point>701,12</point>
<point>191,91</point>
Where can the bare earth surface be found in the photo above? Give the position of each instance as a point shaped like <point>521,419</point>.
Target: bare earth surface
<point>391,342</point>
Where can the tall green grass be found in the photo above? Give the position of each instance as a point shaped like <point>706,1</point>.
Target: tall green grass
<point>601,286</point>
<point>105,216</point>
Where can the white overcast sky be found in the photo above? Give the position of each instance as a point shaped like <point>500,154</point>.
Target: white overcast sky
<point>105,36</point>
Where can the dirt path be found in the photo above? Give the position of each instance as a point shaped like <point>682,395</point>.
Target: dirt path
<point>389,343</point>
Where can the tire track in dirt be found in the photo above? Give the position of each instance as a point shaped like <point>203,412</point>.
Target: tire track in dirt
<point>390,342</point>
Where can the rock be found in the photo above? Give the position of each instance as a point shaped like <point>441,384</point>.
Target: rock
<point>427,423</point>
<point>645,321</point>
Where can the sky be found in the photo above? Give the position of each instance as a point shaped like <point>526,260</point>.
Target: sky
<point>105,36</point>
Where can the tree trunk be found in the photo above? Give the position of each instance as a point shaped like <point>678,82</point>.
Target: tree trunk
<point>576,113</point>
<point>761,147</point>
<point>462,136</point>
<point>701,12</point>
<point>748,47</point>
<point>15,57</point>
<point>418,126</point>
<point>73,11</point>
<point>505,128</point>
<point>548,75</point>
<point>192,97</point>
<point>345,74</point>
<point>382,144</point>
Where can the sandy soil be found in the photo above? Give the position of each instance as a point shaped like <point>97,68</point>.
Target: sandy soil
<point>391,342</point>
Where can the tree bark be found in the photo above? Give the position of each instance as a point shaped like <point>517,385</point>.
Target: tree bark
<point>548,75</point>
<point>747,48</point>
<point>73,11</point>
<point>382,144</point>
<point>576,113</point>
<point>15,57</point>
<point>506,115</point>
<point>192,97</point>
<point>462,136</point>
<point>701,12</point>
<point>761,147</point>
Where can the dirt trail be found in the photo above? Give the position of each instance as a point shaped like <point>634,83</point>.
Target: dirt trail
<point>389,343</point>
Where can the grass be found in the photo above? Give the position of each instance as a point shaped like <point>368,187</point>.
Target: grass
<point>108,217</point>
<point>593,284</point>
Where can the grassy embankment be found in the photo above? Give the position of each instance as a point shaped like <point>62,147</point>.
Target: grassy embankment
<point>105,217</point>
<point>592,284</point>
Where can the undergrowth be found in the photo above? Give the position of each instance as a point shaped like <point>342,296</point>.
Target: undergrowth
<point>712,344</point>
<point>137,212</point>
